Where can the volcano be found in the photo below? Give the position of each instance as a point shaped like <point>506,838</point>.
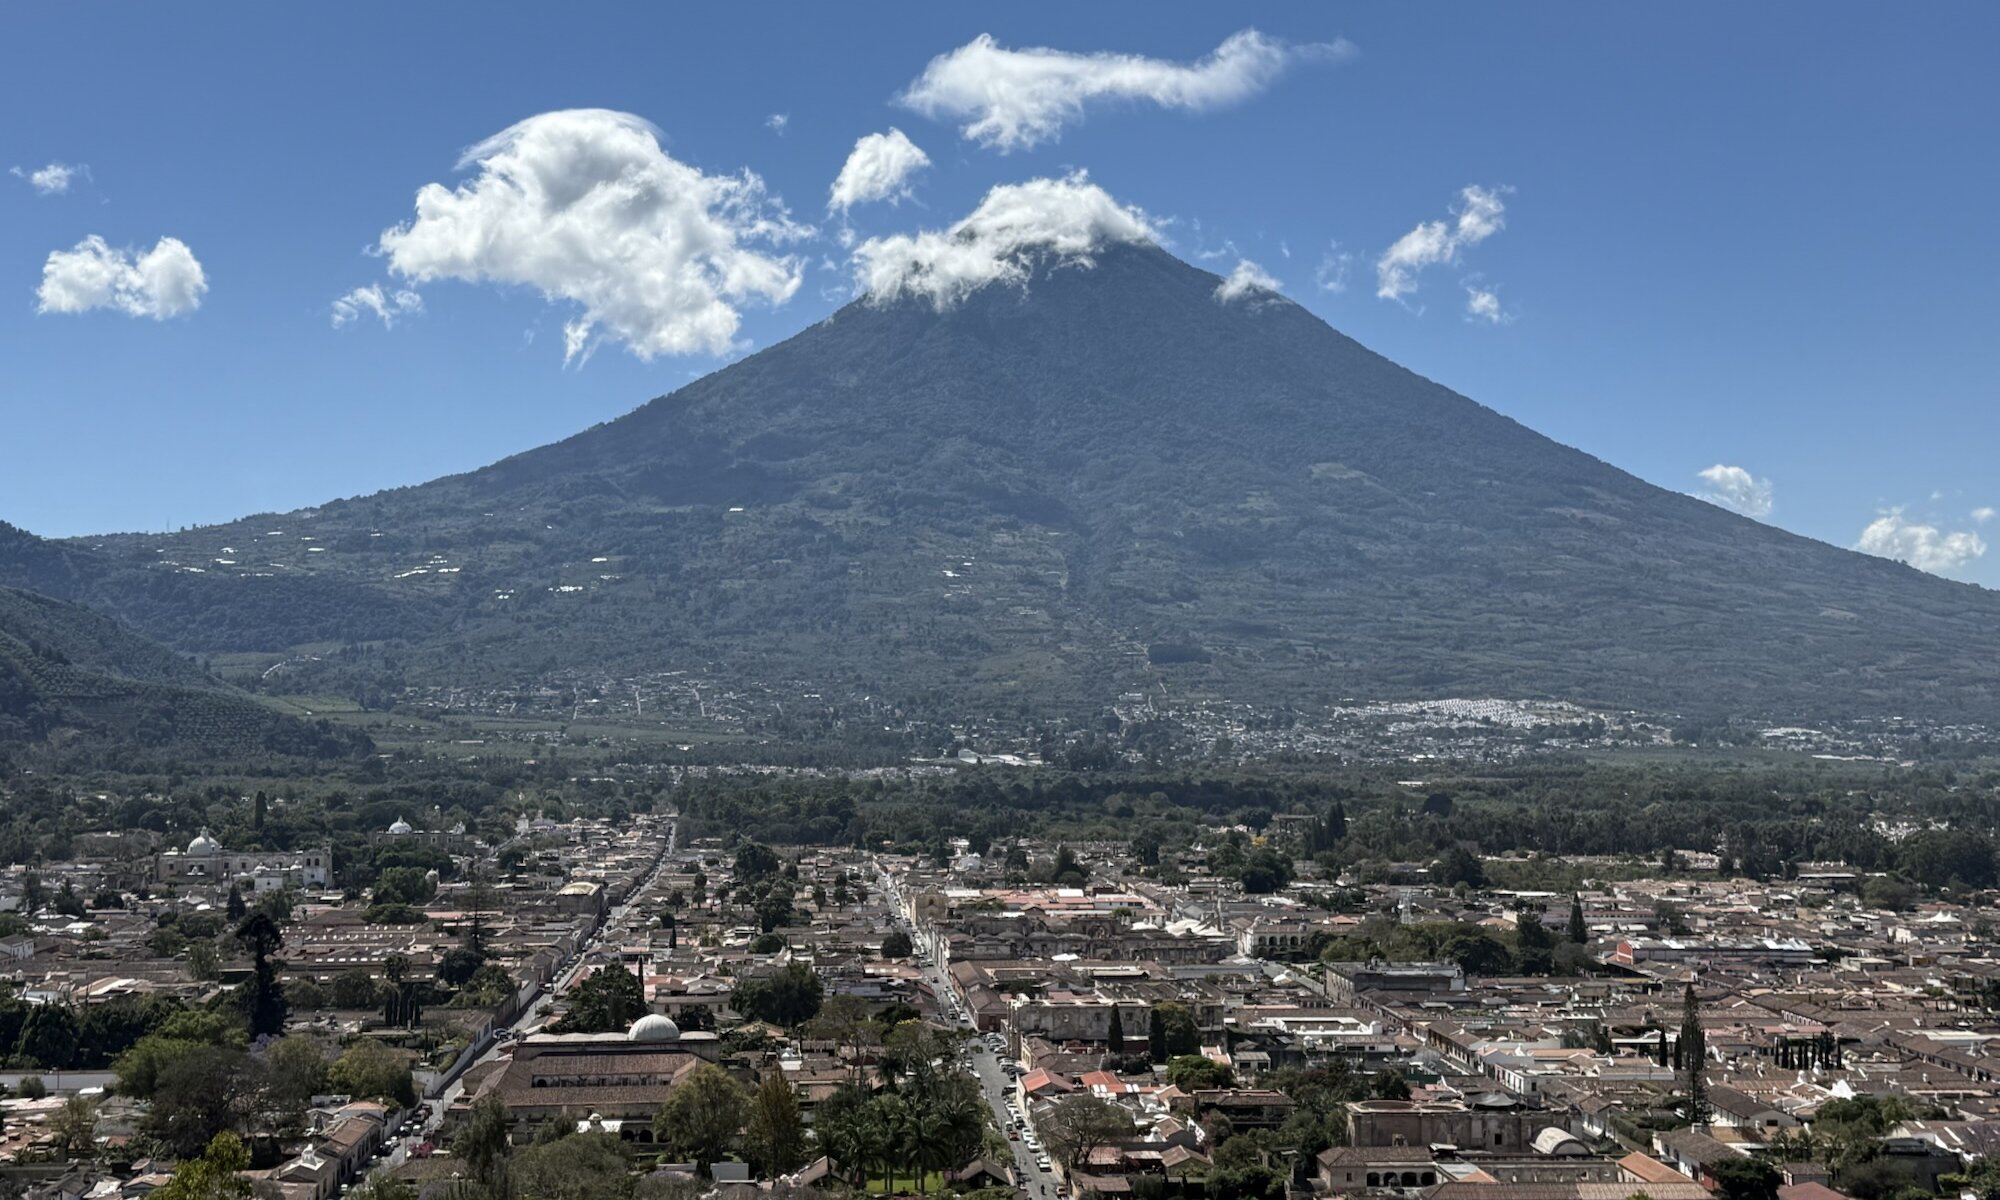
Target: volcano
<point>1107,476</point>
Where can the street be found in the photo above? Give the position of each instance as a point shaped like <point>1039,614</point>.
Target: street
<point>615,926</point>
<point>987,1066</point>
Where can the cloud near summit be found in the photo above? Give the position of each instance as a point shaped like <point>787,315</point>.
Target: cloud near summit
<point>1016,99</point>
<point>583,205</point>
<point>1070,218</point>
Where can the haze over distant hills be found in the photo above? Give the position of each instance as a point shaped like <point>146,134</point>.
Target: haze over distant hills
<point>1111,479</point>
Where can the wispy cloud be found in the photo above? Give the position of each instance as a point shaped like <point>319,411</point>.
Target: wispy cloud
<point>53,179</point>
<point>166,281</point>
<point>389,305</point>
<point>1333,270</point>
<point>1983,514</point>
<point>1738,490</point>
<point>1483,304</point>
<point>1925,547</point>
<point>1015,99</point>
<point>1481,213</point>
<point>778,122</point>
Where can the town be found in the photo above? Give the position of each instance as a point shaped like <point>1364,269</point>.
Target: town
<point>630,1011</point>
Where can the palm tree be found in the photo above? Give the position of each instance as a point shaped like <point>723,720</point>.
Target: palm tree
<point>924,1135</point>
<point>882,1130</point>
<point>846,1142</point>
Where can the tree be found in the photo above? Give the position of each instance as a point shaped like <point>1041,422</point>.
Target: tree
<point>236,908</point>
<point>609,1001</point>
<point>1076,1125</point>
<point>774,908</point>
<point>48,1038</point>
<point>459,964</point>
<point>1693,1052</point>
<point>1156,1036</point>
<point>776,1136</point>
<point>1389,1085</point>
<point>1742,1178</point>
<point>702,1116</point>
<point>216,1175</point>
<point>263,996</point>
<point>755,860</point>
<point>1183,1036</point>
<point>199,1094</point>
<point>403,885</point>
<point>1459,865</point>
<point>1579,932</point>
<point>482,1145</point>
<point>576,1166</point>
<point>1195,1072</point>
<point>1114,1035</point>
<point>370,1070</point>
<point>354,988</point>
<point>896,944</point>
<point>789,997</point>
<point>203,961</point>
<point>75,1125</point>
<point>1981,1178</point>
<point>295,1071</point>
<point>140,1067</point>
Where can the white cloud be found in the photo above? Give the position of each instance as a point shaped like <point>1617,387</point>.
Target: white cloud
<point>1333,268</point>
<point>1924,547</point>
<point>878,169</point>
<point>1983,513</point>
<point>584,206</point>
<point>1015,99</point>
<point>1069,218</point>
<point>777,122</point>
<point>53,179</point>
<point>1738,491</point>
<point>1247,279</point>
<point>385,304</point>
<point>165,281</point>
<point>1480,215</point>
<point>1483,304</point>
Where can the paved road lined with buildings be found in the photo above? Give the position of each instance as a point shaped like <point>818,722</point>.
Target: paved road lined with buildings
<point>987,1064</point>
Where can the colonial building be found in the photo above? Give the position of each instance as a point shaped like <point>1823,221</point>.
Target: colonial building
<point>206,863</point>
<point>616,1081</point>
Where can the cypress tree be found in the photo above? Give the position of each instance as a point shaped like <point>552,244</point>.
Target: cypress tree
<point>1156,1037</point>
<point>1115,1036</point>
<point>1578,931</point>
<point>1694,1057</point>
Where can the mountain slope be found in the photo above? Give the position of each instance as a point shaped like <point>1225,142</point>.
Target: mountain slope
<point>1044,497</point>
<point>69,675</point>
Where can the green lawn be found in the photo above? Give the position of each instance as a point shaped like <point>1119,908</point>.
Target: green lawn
<point>933,1182</point>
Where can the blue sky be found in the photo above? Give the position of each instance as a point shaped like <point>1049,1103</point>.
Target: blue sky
<point>1726,235</point>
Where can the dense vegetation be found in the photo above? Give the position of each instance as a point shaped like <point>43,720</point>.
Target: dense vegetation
<point>76,681</point>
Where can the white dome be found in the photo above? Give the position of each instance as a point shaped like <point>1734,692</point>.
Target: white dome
<point>204,844</point>
<point>653,1028</point>
<point>400,827</point>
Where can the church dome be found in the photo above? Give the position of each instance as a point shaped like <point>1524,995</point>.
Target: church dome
<point>400,827</point>
<point>653,1028</point>
<point>204,845</point>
